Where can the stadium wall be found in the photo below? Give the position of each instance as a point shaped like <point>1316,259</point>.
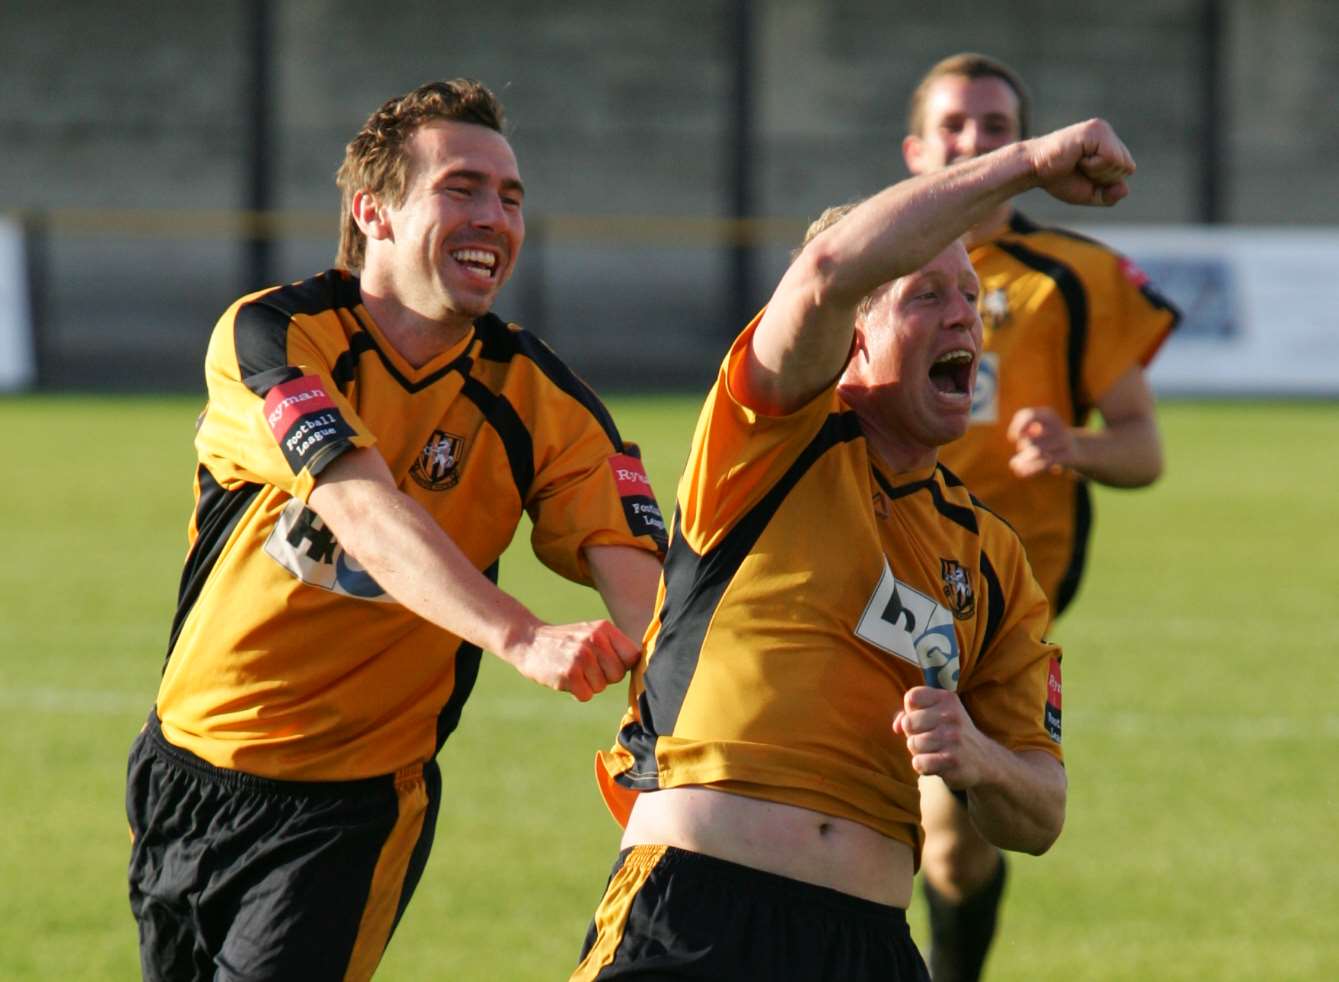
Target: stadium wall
<point>128,159</point>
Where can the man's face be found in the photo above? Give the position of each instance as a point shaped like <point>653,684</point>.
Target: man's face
<point>454,239</point>
<point>963,117</point>
<point>914,367</point>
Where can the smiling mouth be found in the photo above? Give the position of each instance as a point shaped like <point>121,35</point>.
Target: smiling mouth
<point>477,260</point>
<point>951,373</point>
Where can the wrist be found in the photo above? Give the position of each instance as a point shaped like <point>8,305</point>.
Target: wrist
<point>514,631</point>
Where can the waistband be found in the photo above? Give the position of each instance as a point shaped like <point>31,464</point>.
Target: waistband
<point>183,758</point>
<point>753,880</point>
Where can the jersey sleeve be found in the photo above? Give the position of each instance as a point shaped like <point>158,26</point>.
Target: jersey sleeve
<point>275,415</point>
<point>1129,321</point>
<point>739,453</point>
<point>1013,691</point>
<point>590,487</point>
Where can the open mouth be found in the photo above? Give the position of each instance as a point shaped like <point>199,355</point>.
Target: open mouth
<point>951,373</point>
<point>479,261</point>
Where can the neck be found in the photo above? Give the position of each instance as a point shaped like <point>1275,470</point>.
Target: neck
<point>896,450</point>
<point>989,227</point>
<point>417,337</point>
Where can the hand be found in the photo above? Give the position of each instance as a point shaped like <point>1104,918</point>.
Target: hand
<point>1043,442</point>
<point>1083,164</point>
<point>580,658</point>
<point>941,737</point>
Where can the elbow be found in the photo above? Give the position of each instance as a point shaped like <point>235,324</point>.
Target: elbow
<point>825,286</point>
<point>1046,833</point>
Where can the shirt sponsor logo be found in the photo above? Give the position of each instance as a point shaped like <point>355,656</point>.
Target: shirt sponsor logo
<point>1053,700</point>
<point>986,393</point>
<point>957,588</point>
<point>911,625</point>
<point>301,544</point>
<point>438,465</point>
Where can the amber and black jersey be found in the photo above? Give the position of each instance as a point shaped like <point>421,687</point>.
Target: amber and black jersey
<point>1065,317</point>
<point>805,590</point>
<point>286,659</point>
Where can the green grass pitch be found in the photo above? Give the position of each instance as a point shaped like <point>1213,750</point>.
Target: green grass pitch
<point>1200,719</point>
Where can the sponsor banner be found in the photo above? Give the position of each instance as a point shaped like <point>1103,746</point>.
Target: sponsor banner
<point>1260,306</point>
<point>18,361</point>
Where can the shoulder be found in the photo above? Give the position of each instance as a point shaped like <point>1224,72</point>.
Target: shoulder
<point>1087,258</point>
<point>527,362</point>
<point>331,290</point>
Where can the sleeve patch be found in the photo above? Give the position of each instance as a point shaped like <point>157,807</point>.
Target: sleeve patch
<point>639,502</point>
<point>1133,273</point>
<point>1053,700</point>
<point>304,420</point>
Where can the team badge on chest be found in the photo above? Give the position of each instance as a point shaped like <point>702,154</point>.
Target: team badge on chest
<point>438,464</point>
<point>957,588</point>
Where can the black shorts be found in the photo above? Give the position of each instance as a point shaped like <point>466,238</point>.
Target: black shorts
<point>672,914</point>
<point>238,877</point>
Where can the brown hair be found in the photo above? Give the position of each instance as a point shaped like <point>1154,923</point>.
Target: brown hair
<point>968,64</point>
<point>376,159</point>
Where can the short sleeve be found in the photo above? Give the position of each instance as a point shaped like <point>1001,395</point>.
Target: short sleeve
<point>589,486</point>
<point>275,415</point>
<point>738,453</point>
<point>1129,321</point>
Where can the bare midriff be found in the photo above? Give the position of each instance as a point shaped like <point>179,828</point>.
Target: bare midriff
<point>787,840</point>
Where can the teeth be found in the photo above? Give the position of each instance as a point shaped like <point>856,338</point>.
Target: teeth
<point>952,357</point>
<point>475,256</point>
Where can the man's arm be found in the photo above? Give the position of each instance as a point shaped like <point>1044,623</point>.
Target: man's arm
<point>804,337</point>
<point>626,579</point>
<point>1015,799</point>
<point>418,564</point>
<point>1125,453</point>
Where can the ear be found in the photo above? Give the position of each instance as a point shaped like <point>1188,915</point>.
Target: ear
<point>913,151</point>
<point>370,215</point>
<point>858,344</point>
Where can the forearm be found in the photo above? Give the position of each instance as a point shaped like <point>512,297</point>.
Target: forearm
<point>1124,453</point>
<point>905,226</point>
<point>413,560</point>
<point>1020,802</point>
<point>626,579</point>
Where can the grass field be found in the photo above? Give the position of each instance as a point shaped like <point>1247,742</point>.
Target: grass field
<point>1200,717</point>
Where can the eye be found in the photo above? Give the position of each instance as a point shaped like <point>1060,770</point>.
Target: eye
<point>511,201</point>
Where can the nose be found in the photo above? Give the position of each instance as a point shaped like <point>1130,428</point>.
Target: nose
<point>488,212</point>
<point>969,140</point>
<point>962,313</point>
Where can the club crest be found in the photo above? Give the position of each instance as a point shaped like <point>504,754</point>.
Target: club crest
<point>438,464</point>
<point>957,588</point>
